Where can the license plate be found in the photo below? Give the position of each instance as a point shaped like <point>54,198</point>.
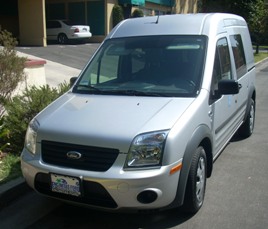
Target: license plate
<point>65,184</point>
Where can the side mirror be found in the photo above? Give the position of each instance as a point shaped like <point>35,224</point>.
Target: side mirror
<point>72,80</point>
<point>228,87</point>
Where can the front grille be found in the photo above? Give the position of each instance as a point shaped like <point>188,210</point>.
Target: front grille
<point>93,158</point>
<point>92,194</point>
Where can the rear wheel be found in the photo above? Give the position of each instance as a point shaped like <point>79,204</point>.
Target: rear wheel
<point>196,184</point>
<point>246,129</point>
<point>62,38</point>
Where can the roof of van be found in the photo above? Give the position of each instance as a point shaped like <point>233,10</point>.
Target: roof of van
<point>175,24</point>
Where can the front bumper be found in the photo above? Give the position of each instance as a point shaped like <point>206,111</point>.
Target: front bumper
<point>114,189</point>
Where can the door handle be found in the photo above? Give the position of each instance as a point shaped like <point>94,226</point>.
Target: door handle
<point>210,113</point>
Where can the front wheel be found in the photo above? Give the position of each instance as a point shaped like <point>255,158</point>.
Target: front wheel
<point>196,184</point>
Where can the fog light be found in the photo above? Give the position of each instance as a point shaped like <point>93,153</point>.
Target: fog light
<point>147,197</point>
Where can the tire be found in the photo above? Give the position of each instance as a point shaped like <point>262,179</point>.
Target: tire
<point>62,38</point>
<point>247,127</point>
<point>196,183</point>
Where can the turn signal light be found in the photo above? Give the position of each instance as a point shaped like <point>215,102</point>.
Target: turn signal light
<point>175,169</point>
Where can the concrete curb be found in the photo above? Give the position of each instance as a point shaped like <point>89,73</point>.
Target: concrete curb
<point>262,61</point>
<point>11,190</point>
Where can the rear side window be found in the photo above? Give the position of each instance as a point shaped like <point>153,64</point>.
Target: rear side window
<point>239,55</point>
<point>53,25</point>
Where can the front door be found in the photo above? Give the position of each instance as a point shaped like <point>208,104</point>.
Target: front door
<point>222,106</point>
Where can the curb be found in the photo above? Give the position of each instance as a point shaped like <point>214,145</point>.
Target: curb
<point>262,61</point>
<point>12,190</point>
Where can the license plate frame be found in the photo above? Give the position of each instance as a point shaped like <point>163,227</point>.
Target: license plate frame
<point>63,184</point>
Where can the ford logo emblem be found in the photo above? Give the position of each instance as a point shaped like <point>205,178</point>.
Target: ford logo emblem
<point>74,155</point>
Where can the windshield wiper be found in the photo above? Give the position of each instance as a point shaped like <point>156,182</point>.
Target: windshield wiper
<point>136,93</point>
<point>130,92</point>
<point>90,87</point>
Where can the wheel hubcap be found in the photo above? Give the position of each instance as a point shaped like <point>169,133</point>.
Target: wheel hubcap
<point>200,179</point>
<point>251,118</point>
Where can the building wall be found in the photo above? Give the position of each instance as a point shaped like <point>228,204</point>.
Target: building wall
<point>89,12</point>
<point>96,13</point>
<point>186,6</point>
<point>151,9</point>
<point>9,17</point>
<point>32,22</point>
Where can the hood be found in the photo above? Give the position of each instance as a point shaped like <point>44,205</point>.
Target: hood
<point>107,121</point>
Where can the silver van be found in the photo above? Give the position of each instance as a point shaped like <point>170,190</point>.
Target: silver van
<point>148,115</point>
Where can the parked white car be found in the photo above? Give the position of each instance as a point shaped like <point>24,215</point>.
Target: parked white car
<point>63,31</point>
<point>147,117</point>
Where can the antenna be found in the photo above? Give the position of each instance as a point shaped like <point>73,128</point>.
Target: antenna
<point>157,19</point>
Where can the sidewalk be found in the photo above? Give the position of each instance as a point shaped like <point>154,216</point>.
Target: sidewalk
<point>55,74</point>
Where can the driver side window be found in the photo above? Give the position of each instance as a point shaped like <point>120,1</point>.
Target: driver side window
<point>222,67</point>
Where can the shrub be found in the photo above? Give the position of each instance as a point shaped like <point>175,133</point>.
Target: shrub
<point>9,168</point>
<point>7,40</point>
<point>21,109</point>
<point>137,13</point>
<point>4,133</point>
<point>11,68</point>
<point>117,14</point>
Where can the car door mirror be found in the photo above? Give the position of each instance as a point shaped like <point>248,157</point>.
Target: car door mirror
<point>72,80</point>
<point>228,87</point>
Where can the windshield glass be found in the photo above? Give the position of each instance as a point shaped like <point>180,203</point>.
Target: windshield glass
<point>146,66</point>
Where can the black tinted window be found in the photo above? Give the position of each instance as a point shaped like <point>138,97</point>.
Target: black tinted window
<point>53,24</point>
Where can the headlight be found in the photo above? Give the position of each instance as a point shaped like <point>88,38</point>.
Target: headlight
<point>30,138</point>
<point>146,150</point>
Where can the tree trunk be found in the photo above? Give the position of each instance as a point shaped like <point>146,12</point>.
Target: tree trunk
<point>257,49</point>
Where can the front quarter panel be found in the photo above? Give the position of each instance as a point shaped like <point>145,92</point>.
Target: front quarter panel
<point>190,131</point>
<point>201,133</point>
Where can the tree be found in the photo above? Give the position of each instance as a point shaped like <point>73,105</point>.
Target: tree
<point>137,13</point>
<point>117,14</point>
<point>257,21</point>
<point>254,12</point>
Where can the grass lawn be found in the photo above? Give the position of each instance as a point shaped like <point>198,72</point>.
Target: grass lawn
<point>260,56</point>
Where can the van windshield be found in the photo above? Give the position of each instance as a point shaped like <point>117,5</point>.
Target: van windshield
<point>146,66</point>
